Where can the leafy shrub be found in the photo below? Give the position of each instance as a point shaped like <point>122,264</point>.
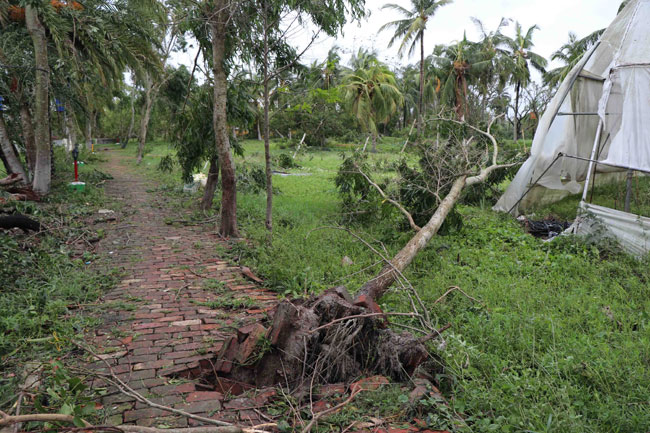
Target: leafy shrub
<point>166,164</point>
<point>251,178</point>
<point>359,200</point>
<point>285,160</point>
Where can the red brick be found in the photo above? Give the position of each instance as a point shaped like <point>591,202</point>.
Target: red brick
<point>153,365</point>
<point>208,407</point>
<point>370,384</point>
<point>180,354</point>
<point>140,316</point>
<point>189,346</point>
<point>135,375</point>
<point>169,319</point>
<point>148,325</point>
<point>134,415</point>
<point>203,396</point>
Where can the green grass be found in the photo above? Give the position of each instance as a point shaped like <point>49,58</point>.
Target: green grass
<point>611,195</point>
<point>558,342</point>
<point>43,277</point>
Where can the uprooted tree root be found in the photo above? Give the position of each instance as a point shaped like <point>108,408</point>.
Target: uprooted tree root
<point>327,339</point>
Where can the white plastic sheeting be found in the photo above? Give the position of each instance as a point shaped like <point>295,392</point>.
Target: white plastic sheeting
<point>611,84</point>
<point>631,145</point>
<point>631,231</point>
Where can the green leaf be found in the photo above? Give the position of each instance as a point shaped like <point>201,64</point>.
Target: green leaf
<point>78,422</point>
<point>66,409</point>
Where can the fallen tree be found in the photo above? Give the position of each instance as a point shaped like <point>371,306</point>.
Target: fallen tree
<point>335,337</point>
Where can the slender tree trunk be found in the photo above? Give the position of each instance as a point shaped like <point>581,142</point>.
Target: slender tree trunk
<point>421,100</point>
<point>374,143</point>
<point>89,131</point>
<point>42,168</point>
<point>27,126</point>
<point>218,23</point>
<point>10,157</point>
<point>125,142</point>
<point>146,116</point>
<point>267,130</point>
<point>259,130</point>
<point>517,93</point>
<point>72,126</point>
<point>211,184</point>
<point>378,286</point>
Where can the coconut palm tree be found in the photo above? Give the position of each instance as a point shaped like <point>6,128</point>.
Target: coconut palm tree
<point>518,62</point>
<point>363,59</point>
<point>570,54</point>
<point>456,66</point>
<point>410,30</point>
<point>372,96</point>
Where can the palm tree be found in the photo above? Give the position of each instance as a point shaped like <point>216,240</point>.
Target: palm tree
<point>410,30</point>
<point>373,97</point>
<point>332,69</point>
<point>518,62</point>
<point>456,65</point>
<point>363,59</point>
<point>570,54</point>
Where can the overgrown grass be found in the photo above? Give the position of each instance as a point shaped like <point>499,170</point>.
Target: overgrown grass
<point>559,340</point>
<point>611,195</point>
<point>43,278</point>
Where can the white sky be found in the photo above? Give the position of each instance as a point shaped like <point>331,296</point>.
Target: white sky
<point>556,18</point>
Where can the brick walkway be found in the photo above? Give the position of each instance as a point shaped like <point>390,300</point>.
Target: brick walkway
<point>176,305</point>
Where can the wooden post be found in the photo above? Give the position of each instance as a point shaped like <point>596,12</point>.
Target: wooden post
<point>628,195</point>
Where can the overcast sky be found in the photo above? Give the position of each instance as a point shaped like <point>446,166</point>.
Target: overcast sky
<point>556,18</point>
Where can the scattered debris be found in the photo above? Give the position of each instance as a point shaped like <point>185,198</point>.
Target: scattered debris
<point>548,228</point>
<point>250,275</point>
<point>284,174</point>
<point>347,261</point>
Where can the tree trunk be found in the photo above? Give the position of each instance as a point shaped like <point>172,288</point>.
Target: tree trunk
<point>421,101</point>
<point>374,143</point>
<point>125,142</point>
<point>42,167</point>
<point>72,126</point>
<point>27,126</point>
<point>89,132</point>
<point>218,23</point>
<point>146,116</point>
<point>5,164</point>
<point>10,158</point>
<point>378,286</point>
<point>517,93</point>
<point>211,184</point>
<point>259,130</point>
<point>267,130</point>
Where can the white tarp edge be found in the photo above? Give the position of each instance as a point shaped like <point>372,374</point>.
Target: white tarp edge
<point>631,231</point>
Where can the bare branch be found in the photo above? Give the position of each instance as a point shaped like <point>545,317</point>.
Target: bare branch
<point>406,213</point>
